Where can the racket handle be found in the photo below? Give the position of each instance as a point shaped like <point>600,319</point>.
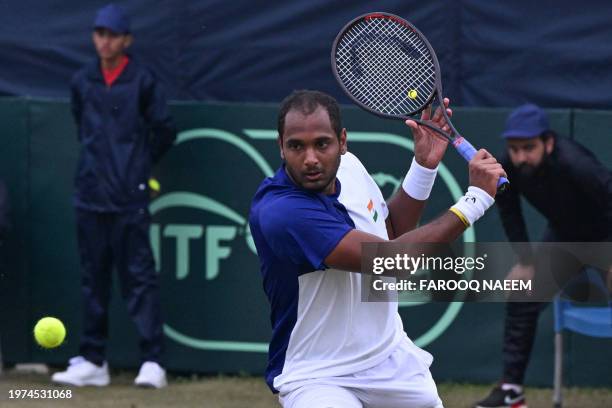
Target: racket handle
<point>467,151</point>
<point>502,184</point>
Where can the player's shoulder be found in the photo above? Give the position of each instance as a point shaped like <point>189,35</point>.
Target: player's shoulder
<point>351,168</point>
<point>276,197</point>
<point>279,194</point>
<point>349,161</point>
<point>279,211</point>
<point>354,176</point>
<point>284,199</point>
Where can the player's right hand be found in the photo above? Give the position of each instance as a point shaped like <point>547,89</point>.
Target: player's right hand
<point>485,171</point>
<point>429,146</point>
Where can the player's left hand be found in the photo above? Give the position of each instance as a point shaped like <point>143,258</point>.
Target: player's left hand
<point>429,146</point>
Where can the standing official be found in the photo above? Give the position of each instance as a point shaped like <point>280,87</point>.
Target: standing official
<point>124,128</point>
<point>568,185</point>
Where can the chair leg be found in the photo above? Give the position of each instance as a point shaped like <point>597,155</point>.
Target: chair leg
<point>558,376</point>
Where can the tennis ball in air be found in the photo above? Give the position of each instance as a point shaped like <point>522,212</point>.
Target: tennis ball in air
<point>412,94</point>
<point>49,332</point>
<point>154,185</point>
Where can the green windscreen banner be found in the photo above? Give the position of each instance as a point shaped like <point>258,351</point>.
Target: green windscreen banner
<point>215,311</point>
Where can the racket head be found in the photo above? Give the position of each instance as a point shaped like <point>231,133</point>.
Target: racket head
<point>386,65</point>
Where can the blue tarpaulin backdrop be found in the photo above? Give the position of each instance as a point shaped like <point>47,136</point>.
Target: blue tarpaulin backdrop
<point>555,53</point>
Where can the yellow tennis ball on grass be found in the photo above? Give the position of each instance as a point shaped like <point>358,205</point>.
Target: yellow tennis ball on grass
<point>49,332</point>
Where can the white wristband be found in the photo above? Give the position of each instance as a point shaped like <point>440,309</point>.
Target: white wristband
<point>474,204</point>
<point>419,181</point>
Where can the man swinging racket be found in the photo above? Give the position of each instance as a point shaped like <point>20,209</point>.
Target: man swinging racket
<point>308,221</point>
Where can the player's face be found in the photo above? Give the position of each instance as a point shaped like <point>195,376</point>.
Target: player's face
<point>311,150</point>
<point>528,154</point>
<point>110,45</point>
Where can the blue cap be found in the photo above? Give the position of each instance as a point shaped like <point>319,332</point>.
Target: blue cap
<point>526,122</point>
<point>113,18</point>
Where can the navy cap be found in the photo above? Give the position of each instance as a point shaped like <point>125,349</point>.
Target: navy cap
<point>525,122</point>
<point>113,18</point>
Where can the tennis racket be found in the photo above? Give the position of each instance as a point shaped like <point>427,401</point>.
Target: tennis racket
<point>387,67</point>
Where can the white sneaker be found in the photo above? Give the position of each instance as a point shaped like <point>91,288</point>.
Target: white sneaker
<point>81,372</point>
<point>151,375</point>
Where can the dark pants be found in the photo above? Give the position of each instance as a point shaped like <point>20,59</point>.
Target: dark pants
<point>119,240</point>
<point>519,334</point>
<point>522,317</point>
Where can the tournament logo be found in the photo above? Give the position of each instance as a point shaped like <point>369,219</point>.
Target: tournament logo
<point>202,244</point>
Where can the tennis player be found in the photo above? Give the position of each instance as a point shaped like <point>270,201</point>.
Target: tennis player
<point>328,348</point>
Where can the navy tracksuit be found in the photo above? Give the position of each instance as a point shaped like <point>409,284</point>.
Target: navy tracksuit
<point>123,129</point>
<point>573,190</point>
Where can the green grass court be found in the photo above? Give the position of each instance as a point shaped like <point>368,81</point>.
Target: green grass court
<point>245,392</point>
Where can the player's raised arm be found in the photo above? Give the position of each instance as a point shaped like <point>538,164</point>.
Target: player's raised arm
<point>484,173</point>
<point>406,206</point>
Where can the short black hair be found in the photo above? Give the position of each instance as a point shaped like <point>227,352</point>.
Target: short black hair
<point>547,134</point>
<point>307,101</point>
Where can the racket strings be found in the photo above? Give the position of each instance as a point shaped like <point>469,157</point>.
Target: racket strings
<point>416,73</point>
<point>381,61</point>
<point>365,44</point>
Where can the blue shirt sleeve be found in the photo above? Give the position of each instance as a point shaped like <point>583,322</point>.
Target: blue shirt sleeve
<point>303,230</point>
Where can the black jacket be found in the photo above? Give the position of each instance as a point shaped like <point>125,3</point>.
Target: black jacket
<point>123,130</point>
<point>573,190</point>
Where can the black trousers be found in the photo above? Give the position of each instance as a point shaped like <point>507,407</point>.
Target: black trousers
<point>119,241</point>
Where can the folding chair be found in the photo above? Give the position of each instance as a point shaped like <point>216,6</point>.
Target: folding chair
<point>589,321</point>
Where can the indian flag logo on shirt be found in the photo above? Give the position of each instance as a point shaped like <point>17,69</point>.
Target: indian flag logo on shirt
<point>372,211</point>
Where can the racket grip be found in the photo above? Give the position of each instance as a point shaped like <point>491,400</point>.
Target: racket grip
<point>465,148</point>
<point>467,151</point>
<point>502,183</point>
